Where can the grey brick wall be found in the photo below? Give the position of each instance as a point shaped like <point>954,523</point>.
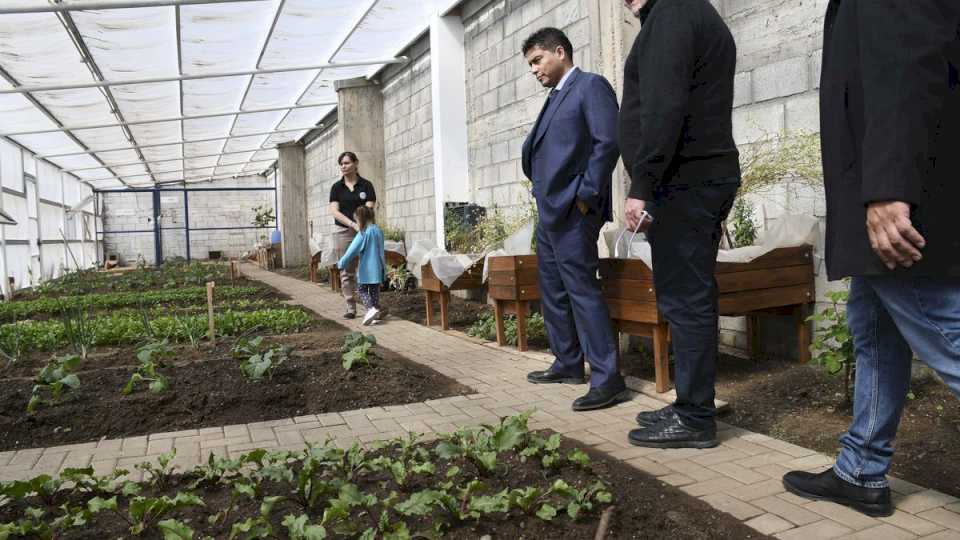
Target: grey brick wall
<point>408,138</point>
<point>503,99</point>
<point>322,172</point>
<point>134,211</point>
<point>779,45</point>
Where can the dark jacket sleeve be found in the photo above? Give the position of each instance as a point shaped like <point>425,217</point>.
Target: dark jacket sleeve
<point>666,63</point>
<point>601,110</point>
<point>904,77</point>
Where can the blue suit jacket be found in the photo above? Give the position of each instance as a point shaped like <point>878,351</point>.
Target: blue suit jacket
<point>572,151</point>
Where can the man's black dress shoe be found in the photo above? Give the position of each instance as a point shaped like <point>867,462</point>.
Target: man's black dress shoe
<point>350,315</point>
<point>552,377</point>
<point>672,433</point>
<point>650,418</point>
<point>827,486</point>
<point>599,398</point>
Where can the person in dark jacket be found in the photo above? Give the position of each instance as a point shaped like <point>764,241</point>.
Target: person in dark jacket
<point>890,115</point>
<point>676,137</point>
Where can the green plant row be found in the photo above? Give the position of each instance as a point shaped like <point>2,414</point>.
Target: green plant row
<point>51,306</point>
<point>171,274</point>
<point>486,328</point>
<point>123,328</point>
<point>396,490</point>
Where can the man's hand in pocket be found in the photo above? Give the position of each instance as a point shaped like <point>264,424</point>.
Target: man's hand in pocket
<point>582,206</point>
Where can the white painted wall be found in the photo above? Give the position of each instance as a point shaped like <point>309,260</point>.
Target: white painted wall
<point>36,194</point>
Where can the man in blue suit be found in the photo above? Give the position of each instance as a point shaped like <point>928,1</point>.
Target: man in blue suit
<point>570,155</point>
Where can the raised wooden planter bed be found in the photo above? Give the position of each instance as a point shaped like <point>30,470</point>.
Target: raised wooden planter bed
<point>513,282</point>
<point>778,283</point>
<point>433,288</point>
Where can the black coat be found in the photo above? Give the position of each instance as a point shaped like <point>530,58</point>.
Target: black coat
<point>890,128</point>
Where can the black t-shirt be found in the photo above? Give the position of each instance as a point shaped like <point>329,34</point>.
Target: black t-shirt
<point>349,201</point>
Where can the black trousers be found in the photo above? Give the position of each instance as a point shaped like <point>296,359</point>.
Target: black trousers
<point>684,238</point>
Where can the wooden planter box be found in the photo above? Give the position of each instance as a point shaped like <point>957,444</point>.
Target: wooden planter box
<point>513,282</point>
<point>778,283</point>
<point>434,288</point>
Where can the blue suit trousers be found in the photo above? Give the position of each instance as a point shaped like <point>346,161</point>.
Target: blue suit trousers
<point>575,315</point>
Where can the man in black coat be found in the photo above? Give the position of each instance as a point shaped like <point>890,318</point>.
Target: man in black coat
<point>676,138</point>
<point>890,120</point>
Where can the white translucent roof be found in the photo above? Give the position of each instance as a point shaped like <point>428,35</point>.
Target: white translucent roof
<point>117,43</point>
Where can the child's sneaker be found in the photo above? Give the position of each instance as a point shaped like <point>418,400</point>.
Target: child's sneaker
<point>370,316</point>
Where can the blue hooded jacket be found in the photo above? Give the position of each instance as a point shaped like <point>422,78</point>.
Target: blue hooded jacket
<point>368,245</point>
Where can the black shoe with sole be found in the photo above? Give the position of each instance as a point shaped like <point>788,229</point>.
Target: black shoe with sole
<point>671,432</point>
<point>350,315</point>
<point>600,398</point>
<point>552,377</point>
<point>827,486</point>
<point>650,418</point>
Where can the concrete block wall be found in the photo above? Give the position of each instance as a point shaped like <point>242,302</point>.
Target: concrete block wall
<point>779,51</point>
<point>408,138</point>
<point>503,98</point>
<point>322,172</point>
<point>134,211</point>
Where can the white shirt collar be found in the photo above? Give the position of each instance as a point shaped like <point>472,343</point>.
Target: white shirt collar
<point>563,81</point>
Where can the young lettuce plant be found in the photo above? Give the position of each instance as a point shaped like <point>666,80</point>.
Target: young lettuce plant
<point>356,347</point>
<point>151,356</point>
<point>52,380</point>
<point>257,359</point>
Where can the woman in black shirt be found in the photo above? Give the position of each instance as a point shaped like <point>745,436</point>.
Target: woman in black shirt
<point>346,195</point>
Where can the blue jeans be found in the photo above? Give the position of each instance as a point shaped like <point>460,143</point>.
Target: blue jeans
<point>888,316</point>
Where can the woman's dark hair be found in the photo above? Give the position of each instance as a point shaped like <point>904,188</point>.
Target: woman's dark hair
<point>364,216</point>
<point>351,155</point>
<point>548,39</point>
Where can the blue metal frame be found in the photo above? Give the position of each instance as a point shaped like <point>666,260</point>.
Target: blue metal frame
<point>158,228</point>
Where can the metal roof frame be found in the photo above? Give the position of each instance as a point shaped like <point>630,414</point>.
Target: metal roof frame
<point>115,4</point>
<point>172,143</point>
<point>264,71</point>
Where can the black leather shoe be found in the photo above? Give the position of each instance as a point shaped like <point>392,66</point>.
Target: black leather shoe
<point>827,486</point>
<point>650,418</point>
<point>672,433</point>
<point>350,315</point>
<point>552,377</point>
<point>599,398</point>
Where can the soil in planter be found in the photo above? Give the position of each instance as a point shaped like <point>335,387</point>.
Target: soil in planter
<point>784,399</point>
<point>643,507</point>
<point>207,389</point>
<point>411,306</point>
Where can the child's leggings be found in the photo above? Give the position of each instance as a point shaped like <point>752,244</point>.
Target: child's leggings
<point>370,295</point>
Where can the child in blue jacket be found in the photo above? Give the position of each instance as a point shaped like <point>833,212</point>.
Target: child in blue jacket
<point>368,245</point>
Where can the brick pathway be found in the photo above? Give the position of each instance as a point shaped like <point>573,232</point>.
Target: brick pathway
<point>740,477</point>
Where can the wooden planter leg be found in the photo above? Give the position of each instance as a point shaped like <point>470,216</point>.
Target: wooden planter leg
<point>803,334</point>
<point>428,296</point>
<point>498,315</point>
<point>661,357</point>
<point>444,316</point>
<point>753,336</point>
<point>522,325</point>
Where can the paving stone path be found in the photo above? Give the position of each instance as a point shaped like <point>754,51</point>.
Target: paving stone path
<point>740,477</point>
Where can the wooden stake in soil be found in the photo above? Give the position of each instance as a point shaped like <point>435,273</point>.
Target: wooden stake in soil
<point>211,329</point>
<point>604,523</point>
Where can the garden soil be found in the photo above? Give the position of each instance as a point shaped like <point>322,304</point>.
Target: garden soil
<point>804,405</point>
<point>644,507</point>
<point>207,390</point>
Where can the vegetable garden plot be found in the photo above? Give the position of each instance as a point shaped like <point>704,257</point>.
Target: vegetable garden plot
<point>79,366</point>
<point>175,387</point>
<point>500,480</point>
